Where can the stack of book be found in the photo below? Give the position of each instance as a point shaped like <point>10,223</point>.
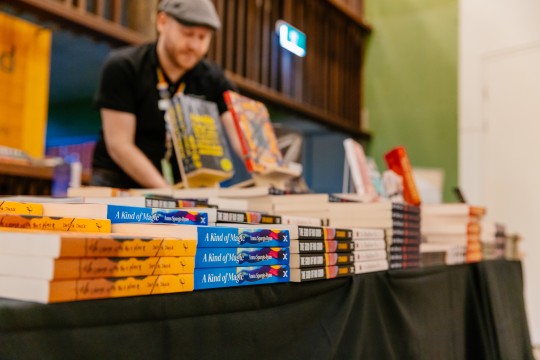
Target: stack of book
<point>370,253</point>
<point>437,254</point>
<point>493,239</point>
<point>457,224</point>
<point>60,259</point>
<point>400,221</point>
<point>237,256</point>
<point>319,252</point>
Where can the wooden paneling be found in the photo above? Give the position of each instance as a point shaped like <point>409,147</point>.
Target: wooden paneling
<point>325,85</point>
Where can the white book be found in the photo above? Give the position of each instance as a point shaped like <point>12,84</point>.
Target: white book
<point>367,233</point>
<point>369,255</point>
<point>369,244</point>
<point>370,266</point>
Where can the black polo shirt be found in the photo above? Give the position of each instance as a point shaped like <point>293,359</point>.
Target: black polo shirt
<point>128,83</point>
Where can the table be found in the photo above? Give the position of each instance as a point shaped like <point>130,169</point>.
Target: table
<point>473,311</point>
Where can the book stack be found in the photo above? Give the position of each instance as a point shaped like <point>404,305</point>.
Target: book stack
<point>437,254</point>
<point>240,256</point>
<point>370,252</point>
<point>49,267</point>
<point>307,206</point>
<point>400,221</point>
<point>493,239</point>
<point>320,252</point>
<point>457,224</point>
<point>56,259</point>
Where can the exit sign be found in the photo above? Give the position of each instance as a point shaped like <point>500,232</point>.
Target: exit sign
<point>291,38</point>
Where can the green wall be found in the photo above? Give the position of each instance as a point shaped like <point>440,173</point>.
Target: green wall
<point>411,82</point>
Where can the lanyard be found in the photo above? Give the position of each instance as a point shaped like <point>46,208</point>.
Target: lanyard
<point>163,104</point>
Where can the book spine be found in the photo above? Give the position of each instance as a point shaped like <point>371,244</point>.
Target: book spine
<point>323,233</point>
<point>397,265</point>
<point>246,217</point>
<point>368,255</point>
<point>227,257</point>
<point>242,237</point>
<point>212,278</point>
<point>126,247</point>
<point>122,267</point>
<point>366,233</point>
<point>301,220</point>
<point>325,259</point>
<point>369,244</point>
<point>370,266</point>
<point>399,249</point>
<point>405,257</point>
<point>14,207</point>
<point>151,202</point>
<point>55,223</point>
<point>320,246</point>
<point>102,288</point>
<point>321,273</point>
<point>129,214</point>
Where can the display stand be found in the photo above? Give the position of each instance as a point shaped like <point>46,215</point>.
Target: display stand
<point>277,176</point>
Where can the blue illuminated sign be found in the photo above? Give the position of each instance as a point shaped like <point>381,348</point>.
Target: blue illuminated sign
<point>291,38</point>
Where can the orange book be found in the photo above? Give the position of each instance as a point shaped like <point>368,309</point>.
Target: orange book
<point>54,223</point>
<point>398,161</point>
<point>15,207</point>
<point>44,291</point>
<point>55,244</point>
<point>83,268</point>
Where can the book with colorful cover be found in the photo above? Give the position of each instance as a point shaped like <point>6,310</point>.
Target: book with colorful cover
<point>255,131</point>
<point>18,221</point>
<point>83,268</point>
<point>321,273</point>
<point>242,237</point>
<point>15,207</point>
<point>118,214</point>
<point>225,257</point>
<point>199,141</point>
<point>77,245</point>
<point>212,278</point>
<point>325,259</point>
<point>46,291</point>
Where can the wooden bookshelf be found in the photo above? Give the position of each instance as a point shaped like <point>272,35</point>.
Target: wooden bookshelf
<point>27,179</point>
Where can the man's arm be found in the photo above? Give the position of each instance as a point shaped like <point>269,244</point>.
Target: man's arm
<point>119,134</point>
<point>228,124</point>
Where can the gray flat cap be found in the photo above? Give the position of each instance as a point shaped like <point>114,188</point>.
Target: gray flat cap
<point>192,12</point>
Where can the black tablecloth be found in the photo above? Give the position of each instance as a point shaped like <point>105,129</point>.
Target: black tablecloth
<point>459,312</point>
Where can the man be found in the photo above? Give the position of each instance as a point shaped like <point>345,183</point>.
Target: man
<point>135,88</point>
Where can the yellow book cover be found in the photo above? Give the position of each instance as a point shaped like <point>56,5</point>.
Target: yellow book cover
<point>15,207</point>
<point>85,268</point>
<point>101,288</point>
<point>55,223</point>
